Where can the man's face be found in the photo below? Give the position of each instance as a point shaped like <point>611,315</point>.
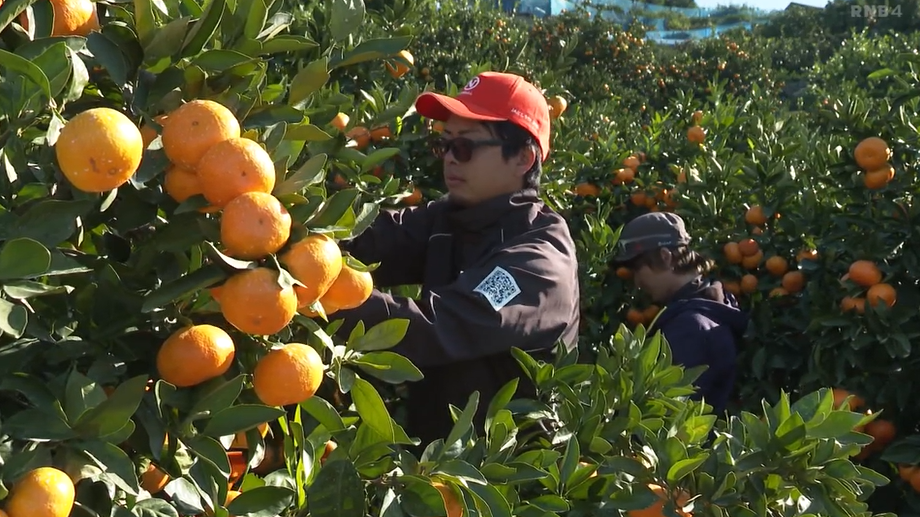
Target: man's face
<point>477,172</point>
<point>653,282</point>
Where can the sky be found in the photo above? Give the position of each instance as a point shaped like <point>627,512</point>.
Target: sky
<point>761,4</point>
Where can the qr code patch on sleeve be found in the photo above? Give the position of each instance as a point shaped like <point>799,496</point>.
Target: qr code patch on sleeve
<point>498,287</point>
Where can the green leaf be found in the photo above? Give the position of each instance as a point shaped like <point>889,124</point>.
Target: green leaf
<point>256,16</point>
<point>153,507</point>
<point>373,411</point>
<point>217,60</point>
<point>51,221</point>
<point>112,414</point>
<point>219,398</point>
<point>263,501</point>
<point>167,40</point>
<point>549,503</point>
<point>369,49</point>
<point>230,262</point>
<point>310,173</point>
<point>347,18</point>
<point>306,132</point>
<point>114,462</point>
<point>381,336</point>
<point>35,424</point>
<point>183,286</point>
<point>683,468</point>
<point>324,413</point>
<point>337,491</point>
<point>836,425</point>
<point>80,394</point>
<point>334,209</point>
<point>25,289</point>
<point>23,258</point>
<point>389,367</point>
<point>13,63</point>
<point>204,28</point>
<point>287,43</point>
<point>13,318</point>
<point>377,157</point>
<point>309,80</point>
<point>240,418</point>
<point>108,54</point>
<point>492,498</point>
<point>465,422</point>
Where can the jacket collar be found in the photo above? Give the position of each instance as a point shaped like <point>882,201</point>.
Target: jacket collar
<point>507,210</point>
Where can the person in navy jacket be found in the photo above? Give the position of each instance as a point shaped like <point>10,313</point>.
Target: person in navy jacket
<point>702,322</point>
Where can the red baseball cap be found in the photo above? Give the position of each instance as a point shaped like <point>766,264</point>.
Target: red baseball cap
<point>494,96</point>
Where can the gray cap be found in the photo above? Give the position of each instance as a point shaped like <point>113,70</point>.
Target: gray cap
<point>649,232</point>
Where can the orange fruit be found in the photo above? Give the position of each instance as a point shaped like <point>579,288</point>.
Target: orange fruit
<point>397,68</point>
<point>882,431</point>
<point>849,303</point>
<point>638,198</point>
<point>755,216</point>
<point>451,500</point>
<point>288,375</point>
<point>732,253</point>
<point>635,317</point>
<point>752,261</point>
<point>99,150</point>
<point>42,492</point>
<point>696,135</point>
<point>254,225</point>
<point>316,262</point>
<point>777,266</point>
<point>557,106</point>
<point>793,281</point>
<point>181,183</point>
<point>624,273</point>
<point>865,273</point>
<point>381,133</point>
<point>255,303</point>
<point>749,283</point>
<point>340,121</point>
<point>587,189</point>
<point>153,479</point>
<point>697,116</point>
<point>778,292</point>
<point>748,247</point>
<point>349,290</point>
<point>231,495</point>
<point>881,292</point>
<point>194,354</point>
<point>632,162</point>
<point>360,135</point>
<point>875,179</point>
<point>238,465</point>
<point>807,254</point>
<point>625,175</point>
<point>196,126</point>
<point>872,153</point>
<point>71,18</point>
<point>234,167</point>
<point>906,471</point>
<point>327,450</point>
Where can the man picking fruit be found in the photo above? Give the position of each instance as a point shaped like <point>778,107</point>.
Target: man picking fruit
<point>497,266</point>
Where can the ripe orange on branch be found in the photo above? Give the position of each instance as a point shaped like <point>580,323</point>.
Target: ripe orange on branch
<point>288,375</point>
<point>254,225</point>
<point>316,262</point>
<point>195,127</point>
<point>195,354</point>
<point>349,290</point>
<point>255,303</point>
<point>872,153</point>
<point>235,167</point>
<point>42,492</point>
<point>99,150</point>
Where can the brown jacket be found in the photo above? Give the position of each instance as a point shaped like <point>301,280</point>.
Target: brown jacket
<point>497,275</point>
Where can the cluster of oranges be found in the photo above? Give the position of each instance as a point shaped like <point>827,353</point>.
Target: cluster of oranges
<point>883,432</point>
<point>748,254</point>
<point>867,275</point>
<point>872,155</point>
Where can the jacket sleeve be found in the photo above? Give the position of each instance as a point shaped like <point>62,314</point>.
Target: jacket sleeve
<point>523,297</point>
<point>398,240</point>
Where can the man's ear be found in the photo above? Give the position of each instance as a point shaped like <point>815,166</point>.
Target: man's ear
<point>666,257</point>
<point>525,159</point>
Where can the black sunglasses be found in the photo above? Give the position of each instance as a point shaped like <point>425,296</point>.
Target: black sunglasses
<point>462,148</point>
